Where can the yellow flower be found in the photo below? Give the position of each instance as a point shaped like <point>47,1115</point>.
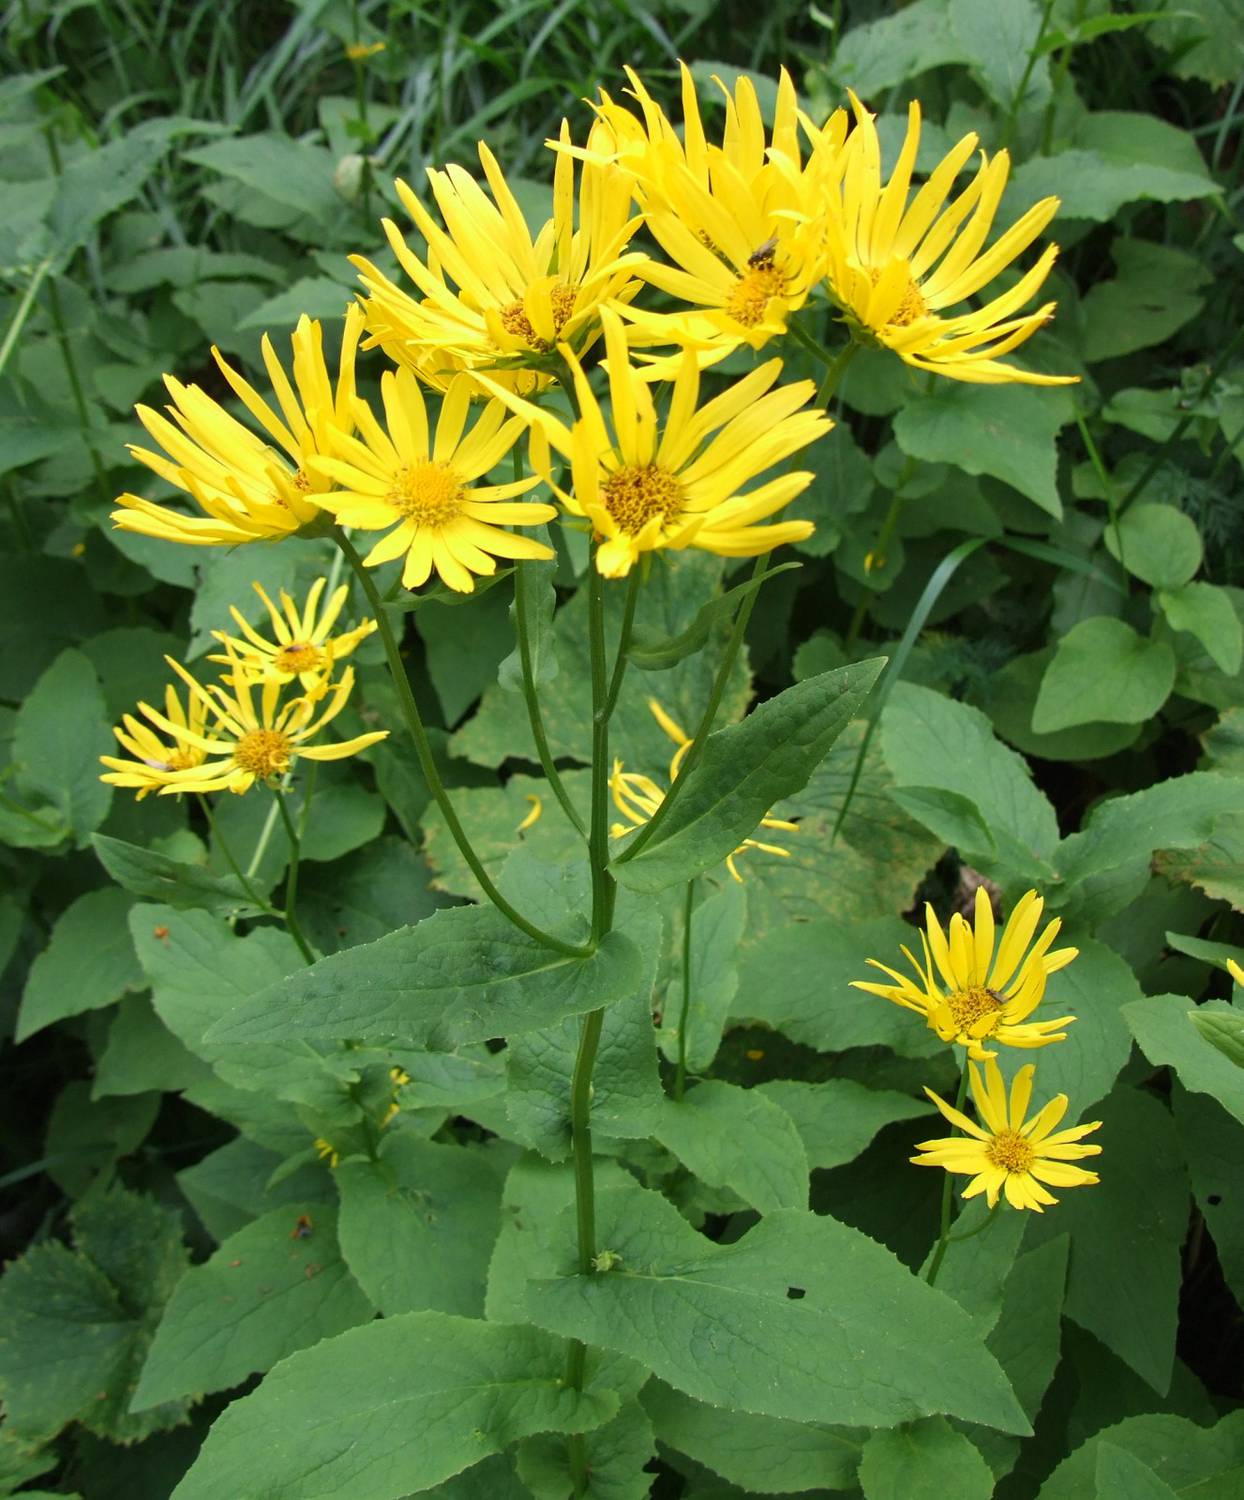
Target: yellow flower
<point>680,486</point>
<point>244,741</point>
<point>491,295</point>
<point>327,1152</point>
<point>153,761</point>
<point>1236,972</point>
<point>361,51</point>
<point>737,220</point>
<point>973,1002</point>
<point>895,266</point>
<point>1012,1155</point>
<point>637,797</point>
<point>303,647</point>
<point>245,488</point>
<point>418,487</point>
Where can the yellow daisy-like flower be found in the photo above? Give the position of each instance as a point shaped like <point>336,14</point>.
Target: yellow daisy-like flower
<point>637,797</point>
<point>418,487</point>
<point>736,220</point>
<point>966,994</point>
<point>152,760</point>
<point>303,646</point>
<point>491,295</point>
<point>247,490</point>
<point>245,740</point>
<point>647,485</point>
<point>895,266</point>
<point>1008,1154</point>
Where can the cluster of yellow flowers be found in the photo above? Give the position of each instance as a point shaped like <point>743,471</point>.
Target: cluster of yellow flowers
<point>250,725</point>
<point>968,996</point>
<point>751,229</point>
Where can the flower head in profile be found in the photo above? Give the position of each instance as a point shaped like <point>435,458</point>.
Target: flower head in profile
<point>970,995</point>
<point>491,295</point>
<point>736,220</point>
<point>1007,1153</point>
<point>637,796</point>
<point>302,646</point>
<point>418,486</point>
<point>250,482</point>
<point>646,484</point>
<point>243,733</point>
<point>897,262</point>
<point>151,759</point>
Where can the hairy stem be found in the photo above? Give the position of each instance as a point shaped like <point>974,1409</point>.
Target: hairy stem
<point>291,878</point>
<point>535,714</point>
<point>943,1235</point>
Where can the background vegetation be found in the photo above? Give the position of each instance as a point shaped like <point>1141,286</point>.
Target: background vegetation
<point>179,175</point>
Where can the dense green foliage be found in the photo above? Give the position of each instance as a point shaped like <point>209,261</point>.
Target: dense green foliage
<point>204,1180</point>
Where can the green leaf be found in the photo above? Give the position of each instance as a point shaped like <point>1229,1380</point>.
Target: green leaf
<point>1188,1457</point>
<point>879,54</point>
<point>1127,1231</point>
<point>1157,544</point>
<point>88,963</point>
<point>75,1326</point>
<point>536,599</point>
<point>62,767</point>
<point>820,1356</point>
<point>1156,291</point>
<point>233,1185</point>
<point>465,648</point>
<point>1122,1476</point>
<point>1027,1338</point>
<point>266,1292</point>
<point>932,741</point>
<point>157,877</point>
<point>1202,40</point>
<point>45,604</point>
<point>1174,1033</point>
<point>461,975</point>
<point>142,1055</point>
<point>837,1117</point>
<point>926,1460</point>
<point>744,770</point>
<point>616,1457</point>
<point>1006,431</point>
<point>975,1273</point>
<point>652,652</point>
<point>467,1390</point>
<point>1205,611</point>
<point>1103,671</point>
<point>764,1454</point>
<point>418,1223</point>
<point>294,173</point>
<point>997,37</point>
<point>1214,1146</point>
<point>736,1138</point>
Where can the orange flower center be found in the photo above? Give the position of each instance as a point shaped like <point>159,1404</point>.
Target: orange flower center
<point>750,295</point>
<point>1010,1151</point>
<point>514,318</point>
<point>263,752</point>
<point>969,1006</point>
<point>429,494</point>
<point>299,656</point>
<point>911,306</point>
<point>637,494</point>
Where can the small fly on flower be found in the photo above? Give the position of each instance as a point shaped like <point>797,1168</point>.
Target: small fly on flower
<point>303,1228</point>
<point>761,258</point>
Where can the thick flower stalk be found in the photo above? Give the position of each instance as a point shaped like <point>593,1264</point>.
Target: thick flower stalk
<point>646,484</point>
<point>302,644</point>
<point>247,489</point>
<point>1007,1153</point>
<point>492,295</point>
<point>896,263</point>
<point>418,485</point>
<point>969,996</point>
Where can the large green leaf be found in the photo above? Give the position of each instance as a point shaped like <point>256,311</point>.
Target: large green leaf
<point>461,975</point>
<point>616,1456</point>
<point>1123,1476</point>
<point>926,1460</point>
<point>1156,291</point>
<point>1163,1025</point>
<point>1103,671</point>
<point>790,1312</point>
<point>1156,543</point>
<point>998,38</point>
<point>1214,1147</point>
<point>418,1223</point>
<point>61,766</point>
<point>737,1138</point>
<point>274,1287</point>
<point>838,1117</point>
<point>717,927</point>
<point>1205,611</point>
<point>1194,1461</point>
<point>391,1409</point>
<point>157,877</point>
<point>744,770</point>
<point>88,963</point>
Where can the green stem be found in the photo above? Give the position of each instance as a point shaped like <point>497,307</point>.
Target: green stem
<point>705,726</point>
<point>1034,52</point>
<point>603,888</point>
<point>75,386</point>
<point>535,715</point>
<point>244,880</point>
<point>624,641</point>
<point>291,879</point>
<point>680,1076</point>
<point>943,1237</point>
<point>23,311</point>
<point>885,534</point>
<point>427,763</point>
<point>1107,484</point>
<point>835,372</point>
